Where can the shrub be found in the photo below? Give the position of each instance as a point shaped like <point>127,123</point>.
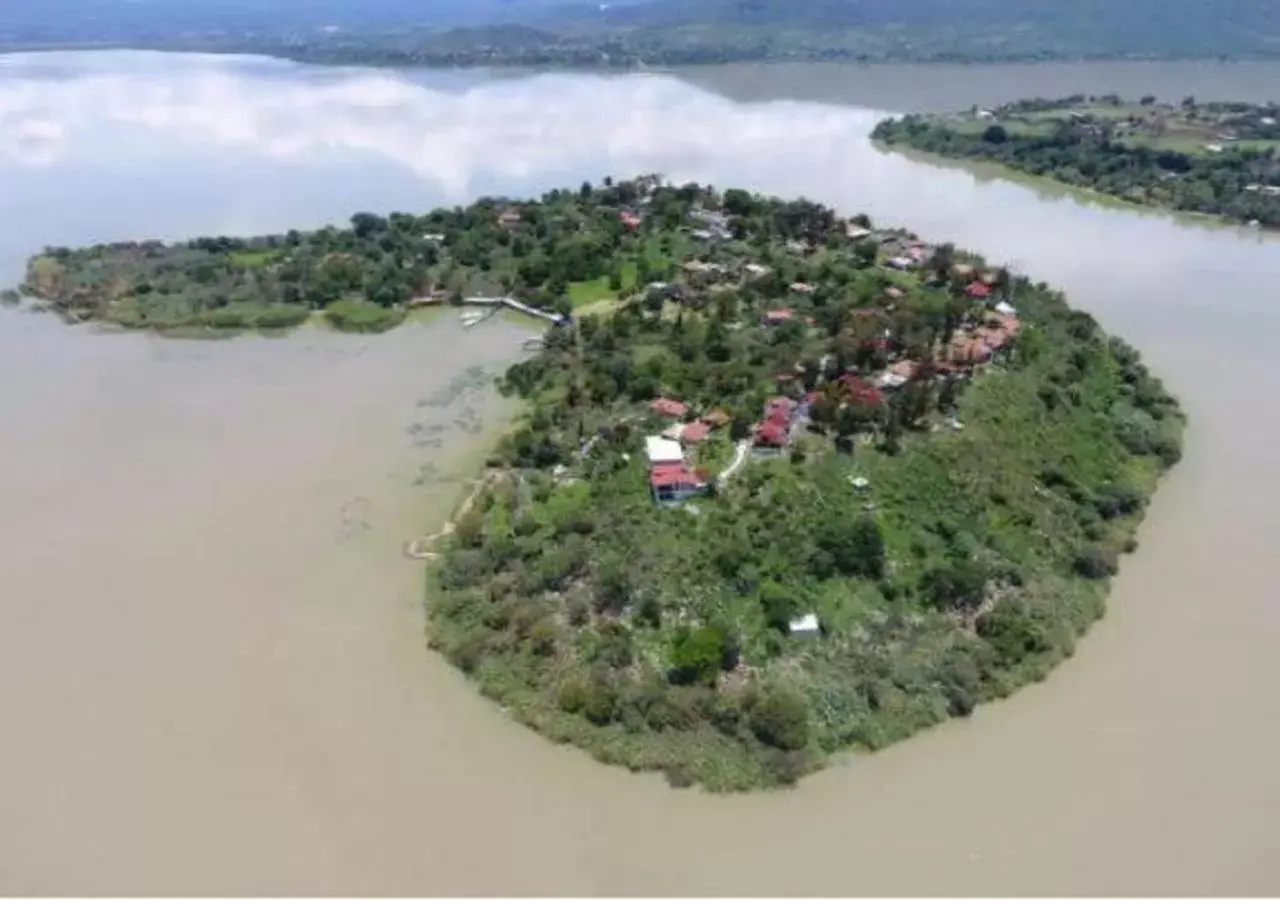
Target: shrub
<point>697,656</point>
<point>1096,561</point>
<point>1014,633</point>
<point>958,586</point>
<point>780,719</point>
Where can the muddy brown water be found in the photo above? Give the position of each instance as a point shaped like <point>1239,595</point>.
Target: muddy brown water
<point>212,676</point>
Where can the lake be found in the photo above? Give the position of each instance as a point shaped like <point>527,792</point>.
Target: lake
<point>212,672</point>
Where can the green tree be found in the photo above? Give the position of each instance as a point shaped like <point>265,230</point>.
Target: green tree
<point>780,718</point>
<point>697,655</point>
<point>854,544</point>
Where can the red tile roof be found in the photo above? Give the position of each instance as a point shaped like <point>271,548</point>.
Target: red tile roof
<point>673,474</point>
<point>666,406</point>
<point>860,392</point>
<point>978,290</point>
<point>695,432</point>
<point>771,433</point>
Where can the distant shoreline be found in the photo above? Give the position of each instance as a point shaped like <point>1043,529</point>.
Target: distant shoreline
<point>569,62</point>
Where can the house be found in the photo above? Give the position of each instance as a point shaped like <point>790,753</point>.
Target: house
<point>1005,309</point>
<point>805,626</point>
<point>801,287</point>
<point>778,316</point>
<point>509,217</point>
<point>756,270</point>
<point>629,220</point>
<point>856,232</point>
<point>969,349</point>
<point>771,436</point>
<point>978,291</point>
<point>669,408</point>
<point>780,409</point>
<point>897,374</point>
<point>999,330</point>
<point>694,433</point>
<point>663,450</point>
<point>859,392</point>
<point>717,418</point>
<point>674,482</point>
<point>902,263</point>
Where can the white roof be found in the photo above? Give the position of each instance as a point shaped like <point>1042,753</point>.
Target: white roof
<point>806,624</point>
<point>663,449</point>
<point>1005,309</point>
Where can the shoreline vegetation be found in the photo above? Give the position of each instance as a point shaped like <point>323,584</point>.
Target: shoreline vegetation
<point>1216,160</point>
<point>785,485</point>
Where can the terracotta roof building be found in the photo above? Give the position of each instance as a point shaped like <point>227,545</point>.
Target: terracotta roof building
<point>666,406</point>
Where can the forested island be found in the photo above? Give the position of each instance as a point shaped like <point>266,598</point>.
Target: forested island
<point>785,483</point>
<point>1219,159</point>
<point>646,33</point>
<point>819,487</point>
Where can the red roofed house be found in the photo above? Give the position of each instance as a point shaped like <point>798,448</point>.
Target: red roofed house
<point>694,433</point>
<point>629,219</point>
<point>669,408</point>
<point>673,482</point>
<point>771,435</point>
<point>780,410</point>
<point>978,291</point>
<point>860,392</point>
<point>969,349</point>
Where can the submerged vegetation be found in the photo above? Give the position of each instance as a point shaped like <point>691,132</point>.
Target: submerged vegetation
<point>1221,159</point>
<point>828,486</point>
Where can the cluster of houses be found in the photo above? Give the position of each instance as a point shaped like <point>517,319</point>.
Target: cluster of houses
<point>672,476</point>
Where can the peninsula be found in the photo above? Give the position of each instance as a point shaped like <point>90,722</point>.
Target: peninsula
<point>1217,159</point>
<point>785,483</point>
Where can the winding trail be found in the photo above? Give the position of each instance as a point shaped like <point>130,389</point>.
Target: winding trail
<point>417,548</point>
<point>739,460</point>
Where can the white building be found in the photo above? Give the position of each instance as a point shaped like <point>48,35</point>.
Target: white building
<point>806,625</point>
<point>663,450</point>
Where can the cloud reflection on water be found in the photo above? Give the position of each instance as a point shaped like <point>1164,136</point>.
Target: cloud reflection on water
<point>511,129</point>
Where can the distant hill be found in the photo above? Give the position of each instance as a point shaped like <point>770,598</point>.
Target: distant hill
<point>1059,27</point>
<point>624,33</point>
<point>125,20</point>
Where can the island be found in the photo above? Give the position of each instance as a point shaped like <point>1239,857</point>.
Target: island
<point>1217,159</point>
<point>785,484</point>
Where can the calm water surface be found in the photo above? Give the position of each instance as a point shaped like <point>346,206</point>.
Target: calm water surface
<point>212,678</point>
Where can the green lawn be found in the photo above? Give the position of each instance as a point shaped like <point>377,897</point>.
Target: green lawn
<point>583,292</point>
<point>252,259</point>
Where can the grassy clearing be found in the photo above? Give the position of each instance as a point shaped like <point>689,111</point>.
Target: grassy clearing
<point>582,293</point>
<point>359,316</point>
